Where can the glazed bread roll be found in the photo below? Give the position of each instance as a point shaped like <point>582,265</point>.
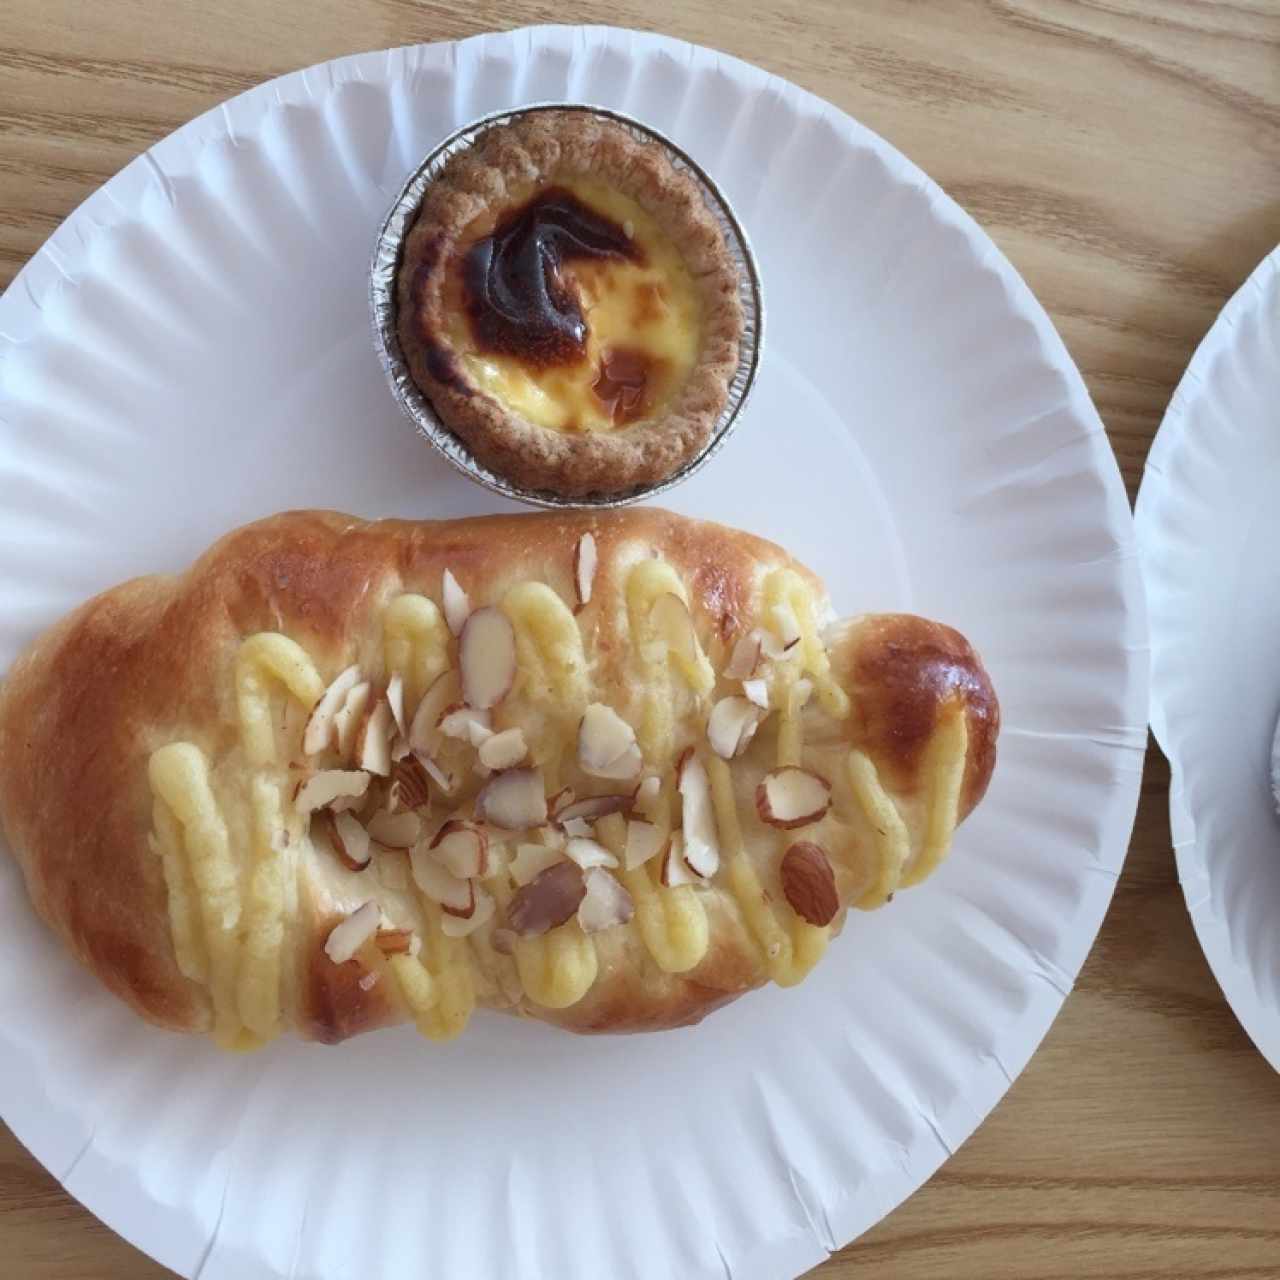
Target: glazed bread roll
<point>605,770</point>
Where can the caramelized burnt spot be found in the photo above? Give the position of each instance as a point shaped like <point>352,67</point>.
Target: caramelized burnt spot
<point>443,366</point>
<point>518,301</point>
<point>623,383</point>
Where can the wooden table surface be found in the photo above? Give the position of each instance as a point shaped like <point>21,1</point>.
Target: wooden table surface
<point>1125,154</point>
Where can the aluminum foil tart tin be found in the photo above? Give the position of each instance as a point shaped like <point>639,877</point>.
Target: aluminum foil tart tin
<point>382,298</point>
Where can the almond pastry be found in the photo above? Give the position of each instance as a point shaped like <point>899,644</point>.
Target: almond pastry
<point>286,791</point>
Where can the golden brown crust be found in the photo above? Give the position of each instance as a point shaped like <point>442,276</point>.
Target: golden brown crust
<point>902,671</point>
<point>74,799</point>
<point>334,1006</point>
<point>541,149</point>
<point>633,994</point>
<point>151,662</point>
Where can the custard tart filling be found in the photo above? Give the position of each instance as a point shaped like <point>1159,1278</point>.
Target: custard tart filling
<point>569,306</point>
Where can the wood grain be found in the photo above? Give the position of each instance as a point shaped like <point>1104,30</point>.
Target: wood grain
<point>1125,154</point>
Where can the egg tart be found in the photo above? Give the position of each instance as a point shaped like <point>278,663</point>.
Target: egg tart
<point>568,304</point>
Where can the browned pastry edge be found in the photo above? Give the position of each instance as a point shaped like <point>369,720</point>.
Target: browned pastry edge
<point>543,148</point>
<point>151,661</point>
<point>900,673</point>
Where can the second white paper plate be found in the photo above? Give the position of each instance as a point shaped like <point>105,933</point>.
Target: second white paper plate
<point>192,349</point>
<point>1209,530</point>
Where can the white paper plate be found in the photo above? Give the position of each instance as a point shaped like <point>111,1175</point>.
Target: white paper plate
<point>1209,532</point>
<point>191,349</point>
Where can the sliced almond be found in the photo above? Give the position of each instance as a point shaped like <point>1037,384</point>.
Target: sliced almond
<point>439,884</point>
<point>731,726</point>
<point>395,700</point>
<point>395,830</point>
<point>345,804</point>
<point>455,927</point>
<point>323,788</point>
<point>592,808</point>
<point>698,823</point>
<point>503,750</point>
<point>373,743</point>
<point>604,737</point>
<point>350,717</point>
<point>605,904</point>
<point>647,791</point>
<point>533,859</point>
<point>424,732</point>
<point>792,797</point>
<point>785,626</point>
<point>349,839</point>
<point>466,724</point>
<point>584,568</point>
<point>463,848</point>
<point>349,936</point>
<point>809,883</point>
<point>771,646</point>
<point>701,858</point>
<point>320,731</point>
<point>560,801</point>
<point>675,870</point>
<point>441,776</point>
<point>744,662</point>
<point>626,768</point>
<point>319,833</point>
<point>589,853</point>
<point>644,841</point>
<point>394,942</point>
<point>547,901</point>
<point>497,856</point>
<point>487,657</point>
<point>514,800</point>
<point>410,788</point>
<point>757,691</point>
<point>681,761</point>
<point>457,607</point>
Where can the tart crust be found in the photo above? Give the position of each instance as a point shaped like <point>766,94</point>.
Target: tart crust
<point>537,151</point>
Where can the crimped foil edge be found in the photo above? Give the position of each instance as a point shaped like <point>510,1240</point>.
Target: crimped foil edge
<point>388,250</point>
